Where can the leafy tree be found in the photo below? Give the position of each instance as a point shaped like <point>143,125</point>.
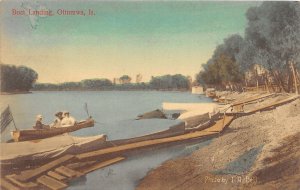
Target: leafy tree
<point>223,69</point>
<point>96,83</point>
<point>273,38</point>
<point>19,78</point>
<point>125,79</point>
<point>170,82</point>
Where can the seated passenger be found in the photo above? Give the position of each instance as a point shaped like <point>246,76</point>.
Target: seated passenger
<point>57,121</point>
<point>67,120</point>
<point>39,124</point>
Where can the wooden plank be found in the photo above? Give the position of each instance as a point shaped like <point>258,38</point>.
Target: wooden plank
<point>30,174</point>
<point>77,165</point>
<point>101,165</point>
<point>27,185</point>
<point>7,185</point>
<point>220,124</point>
<point>68,172</point>
<point>273,104</point>
<point>56,175</point>
<point>251,99</point>
<point>51,183</point>
<point>238,108</point>
<point>143,144</point>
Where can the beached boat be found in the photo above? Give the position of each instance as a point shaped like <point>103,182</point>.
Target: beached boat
<point>174,130</point>
<point>197,116</point>
<point>210,92</point>
<point>199,107</point>
<point>200,122</point>
<point>32,134</point>
<point>42,150</point>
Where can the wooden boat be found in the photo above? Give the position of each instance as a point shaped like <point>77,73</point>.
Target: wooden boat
<point>32,134</point>
<point>25,153</point>
<point>175,130</point>
<point>152,114</point>
<point>200,122</point>
<point>239,108</point>
<point>211,93</point>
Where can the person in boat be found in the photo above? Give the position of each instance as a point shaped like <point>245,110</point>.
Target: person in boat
<point>67,120</point>
<point>57,121</point>
<point>39,124</point>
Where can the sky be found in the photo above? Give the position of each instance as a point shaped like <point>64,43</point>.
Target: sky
<point>131,37</point>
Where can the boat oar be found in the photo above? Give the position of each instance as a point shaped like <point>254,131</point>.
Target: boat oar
<point>86,110</point>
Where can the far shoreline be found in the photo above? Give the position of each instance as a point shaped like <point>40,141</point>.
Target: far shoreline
<point>108,90</point>
<point>137,90</point>
<point>15,93</point>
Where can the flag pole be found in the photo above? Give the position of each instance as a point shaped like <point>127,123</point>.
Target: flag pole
<point>13,119</point>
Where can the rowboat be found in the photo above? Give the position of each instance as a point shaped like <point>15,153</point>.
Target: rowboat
<point>32,134</point>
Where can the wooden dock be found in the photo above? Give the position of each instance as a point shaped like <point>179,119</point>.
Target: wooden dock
<point>215,129</point>
<point>54,175</point>
<point>58,173</point>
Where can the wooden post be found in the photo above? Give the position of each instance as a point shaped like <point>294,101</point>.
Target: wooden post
<point>297,74</point>
<point>256,79</point>
<point>266,83</point>
<point>295,80</point>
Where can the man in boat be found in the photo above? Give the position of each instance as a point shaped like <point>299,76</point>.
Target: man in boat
<point>67,120</point>
<point>57,121</point>
<point>39,124</point>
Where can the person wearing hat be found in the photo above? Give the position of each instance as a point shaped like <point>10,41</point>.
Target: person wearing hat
<point>39,124</point>
<point>67,120</point>
<point>57,121</point>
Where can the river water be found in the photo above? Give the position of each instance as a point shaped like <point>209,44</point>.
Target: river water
<point>114,112</point>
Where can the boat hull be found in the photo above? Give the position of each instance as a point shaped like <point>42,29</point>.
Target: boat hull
<point>33,134</point>
<point>26,153</point>
<point>178,129</point>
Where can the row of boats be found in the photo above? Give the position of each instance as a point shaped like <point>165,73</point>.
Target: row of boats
<point>43,144</point>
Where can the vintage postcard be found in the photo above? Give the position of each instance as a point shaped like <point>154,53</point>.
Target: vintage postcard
<point>149,95</point>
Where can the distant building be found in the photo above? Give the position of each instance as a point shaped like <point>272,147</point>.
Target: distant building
<point>116,81</point>
<point>197,90</point>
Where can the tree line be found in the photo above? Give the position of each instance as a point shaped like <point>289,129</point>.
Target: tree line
<point>16,78</point>
<point>165,82</point>
<point>22,79</point>
<point>271,40</point>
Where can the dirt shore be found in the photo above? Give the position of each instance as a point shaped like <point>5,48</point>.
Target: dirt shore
<point>259,151</point>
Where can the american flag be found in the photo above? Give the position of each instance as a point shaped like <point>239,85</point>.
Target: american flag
<point>6,118</point>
